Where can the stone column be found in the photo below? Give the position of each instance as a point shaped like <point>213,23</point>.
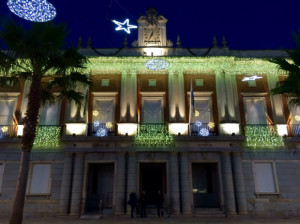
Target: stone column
<point>171,95</point>
<point>132,172</point>
<point>133,97</point>
<point>228,184</point>
<point>123,99</point>
<point>120,184</point>
<point>174,184</point>
<point>185,185</point>
<point>181,97</point>
<point>77,185</point>
<point>65,185</point>
<point>239,184</point>
<point>221,95</point>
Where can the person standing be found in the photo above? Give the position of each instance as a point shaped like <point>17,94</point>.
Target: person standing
<point>132,202</point>
<point>143,204</point>
<point>159,204</point>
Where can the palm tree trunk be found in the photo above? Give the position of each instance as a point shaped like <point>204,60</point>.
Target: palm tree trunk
<point>30,123</point>
<point>17,211</point>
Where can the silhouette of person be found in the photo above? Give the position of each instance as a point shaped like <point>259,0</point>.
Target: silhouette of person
<point>159,204</point>
<point>132,202</point>
<point>143,203</point>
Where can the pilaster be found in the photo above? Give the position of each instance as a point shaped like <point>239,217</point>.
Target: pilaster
<point>185,185</point>
<point>174,184</point>
<point>120,183</point>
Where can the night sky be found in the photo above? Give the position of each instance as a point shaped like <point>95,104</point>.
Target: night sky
<point>246,24</point>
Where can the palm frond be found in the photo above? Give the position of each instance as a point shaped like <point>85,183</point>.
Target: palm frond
<point>47,97</point>
<point>71,95</point>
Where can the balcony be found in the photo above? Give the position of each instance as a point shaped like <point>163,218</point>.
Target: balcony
<point>294,130</point>
<point>262,136</point>
<point>8,131</point>
<point>203,129</point>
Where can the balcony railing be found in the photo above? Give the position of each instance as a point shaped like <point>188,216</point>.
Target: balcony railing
<point>8,131</point>
<point>203,129</point>
<point>262,136</point>
<point>294,130</point>
<point>102,129</point>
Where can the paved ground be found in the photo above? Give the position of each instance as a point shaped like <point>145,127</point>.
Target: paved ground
<point>154,220</point>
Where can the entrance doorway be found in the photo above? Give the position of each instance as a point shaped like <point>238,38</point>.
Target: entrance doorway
<point>152,179</point>
<point>206,187</point>
<point>100,181</point>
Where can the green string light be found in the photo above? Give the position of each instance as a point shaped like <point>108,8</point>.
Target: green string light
<point>47,137</point>
<point>153,135</point>
<point>263,136</point>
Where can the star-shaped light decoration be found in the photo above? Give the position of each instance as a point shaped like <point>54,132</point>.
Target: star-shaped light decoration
<point>124,26</point>
<point>32,10</point>
<point>251,78</point>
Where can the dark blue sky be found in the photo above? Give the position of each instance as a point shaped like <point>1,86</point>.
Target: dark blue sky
<point>246,24</point>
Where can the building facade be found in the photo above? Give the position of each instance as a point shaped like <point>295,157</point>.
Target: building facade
<point>197,124</point>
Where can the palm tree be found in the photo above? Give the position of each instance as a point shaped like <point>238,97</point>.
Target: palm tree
<point>291,85</point>
<point>32,55</point>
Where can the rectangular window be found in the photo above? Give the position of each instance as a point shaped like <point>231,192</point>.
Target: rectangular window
<point>265,180</point>
<point>40,179</point>
<point>1,174</point>
<point>7,108</point>
<point>152,111</point>
<point>255,110</point>
<point>202,110</point>
<point>49,114</point>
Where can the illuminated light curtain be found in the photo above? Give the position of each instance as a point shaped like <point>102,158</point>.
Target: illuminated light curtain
<point>255,111</point>
<point>40,179</point>
<point>49,114</point>
<point>6,111</point>
<point>32,10</point>
<point>152,111</point>
<point>265,181</point>
<point>104,111</point>
<point>203,112</point>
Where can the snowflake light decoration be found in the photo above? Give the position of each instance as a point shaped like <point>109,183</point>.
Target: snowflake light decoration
<point>108,125</point>
<point>297,117</point>
<point>157,64</point>
<point>211,125</point>
<point>254,77</point>
<point>198,123</point>
<point>32,10</point>
<point>101,132</point>
<point>204,132</point>
<point>95,113</point>
<point>4,129</point>
<point>96,123</point>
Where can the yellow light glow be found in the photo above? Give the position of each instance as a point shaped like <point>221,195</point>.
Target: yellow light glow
<point>4,129</point>
<point>127,128</point>
<point>197,113</point>
<point>178,128</point>
<point>95,113</point>
<point>230,129</point>
<point>282,129</point>
<point>211,125</point>
<point>108,125</point>
<point>76,128</point>
<point>151,51</point>
<point>297,117</point>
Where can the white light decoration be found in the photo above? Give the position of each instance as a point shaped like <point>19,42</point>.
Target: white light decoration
<point>129,129</point>
<point>178,128</point>
<point>282,129</point>
<point>251,78</point>
<point>297,117</point>
<point>101,132</point>
<point>32,10</point>
<point>96,123</point>
<point>20,130</point>
<point>198,123</point>
<point>4,129</point>
<point>211,125</point>
<point>157,64</point>
<point>124,26</point>
<point>204,132</point>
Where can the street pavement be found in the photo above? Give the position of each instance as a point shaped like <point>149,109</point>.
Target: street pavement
<point>155,220</point>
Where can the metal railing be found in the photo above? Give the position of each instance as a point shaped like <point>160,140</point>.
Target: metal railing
<point>203,129</point>
<point>102,129</point>
<point>294,130</point>
<point>8,131</point>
